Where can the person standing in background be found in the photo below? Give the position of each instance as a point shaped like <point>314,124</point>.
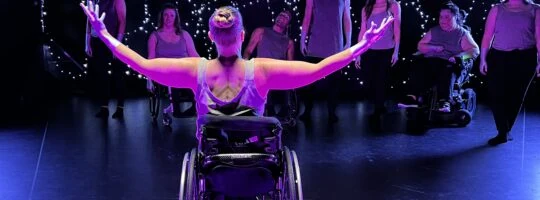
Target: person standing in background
<point>101,59</point>
<point>326,23</point>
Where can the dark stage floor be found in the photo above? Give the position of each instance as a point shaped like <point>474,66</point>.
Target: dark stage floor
<point>73,155</point>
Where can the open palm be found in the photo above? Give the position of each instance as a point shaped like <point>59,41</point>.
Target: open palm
<point>375,32</point>
<point>92,12</point>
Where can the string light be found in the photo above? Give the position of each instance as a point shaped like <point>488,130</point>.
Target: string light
<point>51,50</point>
<point>201,10</point>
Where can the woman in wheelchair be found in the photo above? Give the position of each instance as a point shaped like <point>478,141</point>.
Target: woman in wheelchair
<point>440,50</point>
<point>170,41</point>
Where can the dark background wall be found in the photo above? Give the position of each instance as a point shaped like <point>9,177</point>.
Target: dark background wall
<point>62,70</point>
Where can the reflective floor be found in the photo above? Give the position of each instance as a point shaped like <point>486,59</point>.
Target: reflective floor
<point>73,155</point>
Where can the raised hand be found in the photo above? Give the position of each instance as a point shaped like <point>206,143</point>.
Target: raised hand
<point>92,12</point>
<point>375,32</point>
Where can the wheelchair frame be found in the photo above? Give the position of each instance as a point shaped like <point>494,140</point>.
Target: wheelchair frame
<point>283,162</point>
<point>463,103</point>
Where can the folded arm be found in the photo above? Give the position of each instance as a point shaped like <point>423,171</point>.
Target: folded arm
<point>424,45</point>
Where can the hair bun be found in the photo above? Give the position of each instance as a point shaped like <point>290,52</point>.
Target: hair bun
<point>223,19</point>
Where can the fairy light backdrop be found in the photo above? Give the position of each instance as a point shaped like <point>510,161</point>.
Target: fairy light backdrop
<point>417,17</point>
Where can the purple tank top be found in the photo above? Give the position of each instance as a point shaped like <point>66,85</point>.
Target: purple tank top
<point>111,17</point>
<point>166,49</point>
<point>326,30</point>
<point>514,30</point>
<point>387,40</point>
<point>450,40</point>
<point>273,45</point>
<point>247,101</point>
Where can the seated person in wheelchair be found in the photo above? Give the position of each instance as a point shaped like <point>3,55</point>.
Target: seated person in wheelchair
<point>230,82</point>
<point>442,49</point>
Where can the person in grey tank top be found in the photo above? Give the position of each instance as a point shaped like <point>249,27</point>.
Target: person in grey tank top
<point>378,60</point>
<point>100,58</point>
<point>171,41</point>
<point>327,23</point>
<point>509,58</point>
<point>273,42</point>
<point>439,48</point>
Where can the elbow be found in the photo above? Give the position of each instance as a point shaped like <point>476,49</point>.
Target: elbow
<point>476,52</point>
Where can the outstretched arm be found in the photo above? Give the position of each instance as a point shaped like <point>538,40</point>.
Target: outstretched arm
<point>253,41</point>
<point>282,75</point>
<point>180,73</point>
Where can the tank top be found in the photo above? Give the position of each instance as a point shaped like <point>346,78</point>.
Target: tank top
<point>387,40</point>
<point>450,40</point>
<point>247,101</point>
<point>514,30</point>
<point>273,45</point>
<point>166,49</point>
<point>111,19</point>
<point>326,30</point>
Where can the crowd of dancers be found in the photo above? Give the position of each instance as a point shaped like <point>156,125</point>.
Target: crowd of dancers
<point>234,84</point>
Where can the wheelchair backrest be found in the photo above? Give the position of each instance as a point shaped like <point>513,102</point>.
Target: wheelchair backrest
<point>239,134</point>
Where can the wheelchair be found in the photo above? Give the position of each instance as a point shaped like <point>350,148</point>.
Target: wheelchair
<point>291,99</point>
<point>463,102</point>
<point>156,92</point>
<point>240,157</point>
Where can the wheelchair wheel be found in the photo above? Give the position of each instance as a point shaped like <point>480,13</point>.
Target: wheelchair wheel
<point>292,184</point>
<point>463,117</point>
<point>188,179</point>
<point>469,98</point>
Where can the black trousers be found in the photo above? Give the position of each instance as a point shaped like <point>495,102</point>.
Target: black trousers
<point>376,66</point>
<point>101,82</point>
<point>329,87</point>
<point>510,73</point>
<point>179,95</point>
<point>278,97</point>
<point>433,71</point>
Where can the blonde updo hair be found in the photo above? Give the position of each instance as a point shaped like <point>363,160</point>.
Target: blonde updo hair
<point>225,25</point>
